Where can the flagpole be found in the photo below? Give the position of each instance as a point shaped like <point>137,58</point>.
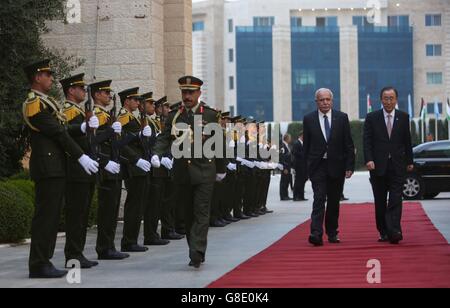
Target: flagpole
<point>437,129</point>
<point>448,117</point>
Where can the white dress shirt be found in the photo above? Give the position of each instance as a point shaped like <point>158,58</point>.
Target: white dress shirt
<point>386,117</point>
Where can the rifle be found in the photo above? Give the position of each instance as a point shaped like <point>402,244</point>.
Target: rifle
<point>145,141</point>
<point>115,139</point>
<point>91,132</point>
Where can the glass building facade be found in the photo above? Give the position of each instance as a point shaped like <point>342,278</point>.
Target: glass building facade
<point>254,68</point>
<point>385,59</point>
<point>315,64</point>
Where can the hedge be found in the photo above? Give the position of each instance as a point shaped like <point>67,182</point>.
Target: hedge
<point>16,213</point>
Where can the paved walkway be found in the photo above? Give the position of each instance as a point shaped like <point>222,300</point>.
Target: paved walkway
<point>228,247</point>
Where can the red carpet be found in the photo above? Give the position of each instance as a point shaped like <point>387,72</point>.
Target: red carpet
<point>421,260</point>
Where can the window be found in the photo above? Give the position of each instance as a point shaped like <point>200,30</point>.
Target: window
<point>430,108</point>
<point>434,50</point>
<point>401,21</point>
<point>440,150</point>
<point>330,21</point>
<point>296,21</point>
<point>198,26</point>
<point>361,21</point>
<point>231,55</point>
<point>433,20</point>
<point>230,25</point>
<point>434,78</point>
<point>231,83</point>
<point>232,114</point>
<point>263,21</point>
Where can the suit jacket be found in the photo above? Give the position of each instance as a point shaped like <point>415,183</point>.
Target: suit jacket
<point>191,171</point>
<point>298,153</point>
<point>340,147</point>
<point>285,157</point>
<point>378,147</point>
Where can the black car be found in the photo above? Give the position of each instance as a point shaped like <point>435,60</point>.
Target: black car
<point>431,174</point>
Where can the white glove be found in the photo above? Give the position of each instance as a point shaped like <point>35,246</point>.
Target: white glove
<point>232,167</point>
<point>147,131</point>
<point>248,163</point>
<point>144,165</point>
<point>273,166</point>
<point>117,126</point>
<point>89,165</point>
<point>167,162</point>
<point>239,159</point>
<point>265,165</point>
<point>257,164</point>
<point>232,144</point>
<point>93,123</point>
<point>155,161</point>
<point>220,177</point>
<point>280,166</point>
<point>113,167</point>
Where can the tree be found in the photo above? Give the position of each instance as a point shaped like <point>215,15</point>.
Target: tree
<point>21,24</point>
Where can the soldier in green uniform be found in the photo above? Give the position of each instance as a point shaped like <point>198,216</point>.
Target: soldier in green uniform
<point>137,177</point>
<point>80,185</point>
<point>50,142</point>
<point>195,177</point>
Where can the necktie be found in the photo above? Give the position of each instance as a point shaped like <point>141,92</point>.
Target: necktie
<point>327,127</point>
<point>389,125</point>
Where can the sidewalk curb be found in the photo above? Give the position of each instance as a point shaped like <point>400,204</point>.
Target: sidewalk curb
<point>27,242</point>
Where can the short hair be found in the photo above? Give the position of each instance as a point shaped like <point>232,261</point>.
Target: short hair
<point>286,137</point>
<point>389,88</point>
<point>323,90</point>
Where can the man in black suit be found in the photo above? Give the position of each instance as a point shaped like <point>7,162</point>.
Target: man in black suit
<point>388,155</point>
<point>286,163</point>
<point>330,158</point>
<point>298,154</point>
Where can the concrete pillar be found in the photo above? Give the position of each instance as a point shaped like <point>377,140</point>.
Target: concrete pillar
<point>282,74</point>
<point>177,44</point>
<point>349,71</point>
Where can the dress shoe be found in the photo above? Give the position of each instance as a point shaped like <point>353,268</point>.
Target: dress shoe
<point>113,255</point>
<point>261,212</point>
<point>134,248</point>
<point>334,239</point>
<point>343,198</point>
<point>242,217</point>
<point>316,241</point>
<point>172,236</point>
<point>224,221</point>
<point>84,262</point>
<point>286,199</point>
<point>395,238</point>
<point>252,215</point>
<point>383,238</point>
<point>157,242</point>
<point>230,219</point>
<point>195,264</point>
<point>47,272</point>
<point>217,224</point>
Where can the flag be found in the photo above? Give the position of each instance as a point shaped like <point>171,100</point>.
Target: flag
<point>423,110</point>
<point>369,104</point>
<point>448,109</point>
<point>436,110</point>
<point>410,107</point>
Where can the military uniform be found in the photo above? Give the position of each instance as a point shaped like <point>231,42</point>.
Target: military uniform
<point>80,185</point>
<point>194,177</point>
<point>137,181</point>
<point>50,142</point>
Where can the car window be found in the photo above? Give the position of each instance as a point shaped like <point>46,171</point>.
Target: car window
<point>439,150</point>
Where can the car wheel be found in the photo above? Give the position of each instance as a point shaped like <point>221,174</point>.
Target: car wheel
<point>413,189</point>
<point>430,196</point>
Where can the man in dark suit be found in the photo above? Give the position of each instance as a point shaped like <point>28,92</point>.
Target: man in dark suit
<point>298,154</point>
<point>330,157</point>
<point>388,155</point>
<point>286,162</point>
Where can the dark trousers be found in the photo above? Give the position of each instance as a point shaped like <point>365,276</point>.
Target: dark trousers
<point>388,211</point>
<point>197,203</point>
<point>137,190</point>
<point>238,195</point>
<point>327,196</point>
<point>216,202</point>
<point>78,203</point>
<point>249,202</point>
<point>286,179</point>
<point>109,194</point>
<point>229,193</point>
<point>44,229</point>
<point>157,208</point>
<point>265,188</point>
<point>168,208</point>
<point>299,185</point>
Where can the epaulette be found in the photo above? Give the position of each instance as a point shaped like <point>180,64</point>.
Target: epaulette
<point>124,117</point>
<point>71,112</point>
<point>103,117</point>
<point>32,106</point>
